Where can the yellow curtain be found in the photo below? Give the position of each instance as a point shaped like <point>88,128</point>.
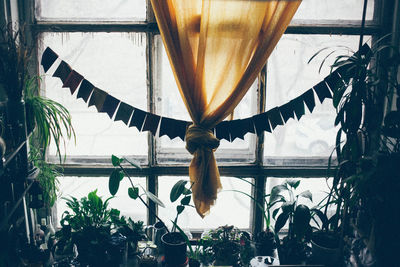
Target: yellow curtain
<point>216,49</point>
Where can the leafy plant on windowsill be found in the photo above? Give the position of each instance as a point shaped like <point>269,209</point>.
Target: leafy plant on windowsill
<point>119,173</point>
<point>264,240</point>
<point>89,225</point>
<point>359,183</point>
<point>293,248</point>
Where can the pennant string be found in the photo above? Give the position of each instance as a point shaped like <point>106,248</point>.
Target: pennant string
<point>229,130</point>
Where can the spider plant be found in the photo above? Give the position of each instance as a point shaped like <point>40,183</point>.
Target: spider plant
<point>52,120</point>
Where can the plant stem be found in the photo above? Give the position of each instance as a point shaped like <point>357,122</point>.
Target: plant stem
<point>141,199</point>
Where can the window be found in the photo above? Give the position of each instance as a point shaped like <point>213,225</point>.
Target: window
<point>116,45</point>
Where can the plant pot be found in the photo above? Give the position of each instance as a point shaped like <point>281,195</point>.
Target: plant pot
<point>292,252</point>
<point>265,243</point>
<point>325,249</point>
<point>174,249</point>
<point>226,253</point>
<point>194,263</point>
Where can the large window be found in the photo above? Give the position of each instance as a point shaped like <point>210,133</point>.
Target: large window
<point>116,45</point>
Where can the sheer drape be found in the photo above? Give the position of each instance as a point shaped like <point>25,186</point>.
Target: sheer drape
<point>216,49</point>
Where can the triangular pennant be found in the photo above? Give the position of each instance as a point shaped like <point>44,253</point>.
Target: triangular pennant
<point>334,81</point>
<point>97,99</point>
<point>261,123</point>
<point>62,71</point>
<point>110,105</point>
<point>173,128</point>
<point>72,81</point>
<point>275,118</point>
<point>151,123</point>
<point>85,90</point>
<point>322,91</point>
<point>138,118</point>
<point>248,125</point>
<point>308,98</point>
<point>124,113</point>
<point>237,130</point>
<point>48,58</point>
<point>287,111</point>
<point>298,105</point>
<point>222,130</point>
<point>181,127</point>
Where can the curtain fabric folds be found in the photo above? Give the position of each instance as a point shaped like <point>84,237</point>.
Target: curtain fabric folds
<point>216,49</point>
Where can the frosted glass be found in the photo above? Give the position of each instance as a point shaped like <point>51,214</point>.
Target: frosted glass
<point>313,137</point>
<point>91,10</point>
<point>170,104</point>
<point>231,208</point>
<point>115,63</point>
<point>333,10</point>
<point>81,186</point>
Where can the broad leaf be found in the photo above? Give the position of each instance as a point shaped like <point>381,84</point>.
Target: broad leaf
<point>154,198</point>
<point>186,200</point>
<point>301,220</point>
<point>275,212</point>
<point>116,161</point>
<point>321,216</point>
<point>113,182</point>
<point>177,190</point>
<point>275,192</point>
<point>293,183</point>
<point>288,207</point>
<point>133,192</point>
<point>306,194</point>
<point>280,222</point>
<point>180,208</point>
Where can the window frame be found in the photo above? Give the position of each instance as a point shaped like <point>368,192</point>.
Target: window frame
<point>376,27</point>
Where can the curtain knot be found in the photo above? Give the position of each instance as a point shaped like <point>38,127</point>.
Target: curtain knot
<point>200,137</point>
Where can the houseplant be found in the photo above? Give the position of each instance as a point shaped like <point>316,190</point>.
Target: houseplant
<point>293,248</point>
<point>367,145</point>
<point>90,225</point>
<point>174,244</point>
<point>265,240</point>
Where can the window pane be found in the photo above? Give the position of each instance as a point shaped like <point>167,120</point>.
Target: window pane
<point>91,10</point>
<point>312,139</point>
<point>230,208</point>
<point>170,104</point>
<point>333,10</point>
<point>81,186</point>
<point>115,63</point>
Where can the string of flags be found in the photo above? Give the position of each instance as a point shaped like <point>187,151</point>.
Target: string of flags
<point>228,130</point>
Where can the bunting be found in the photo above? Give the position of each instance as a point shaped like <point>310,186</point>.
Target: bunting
<point>228,130</point>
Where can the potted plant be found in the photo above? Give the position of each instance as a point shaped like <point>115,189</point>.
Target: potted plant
<point>367,149</point>
<point>133,231</point>
<point>174,245</point>
<point>293,248</point>
<point>89,226</point>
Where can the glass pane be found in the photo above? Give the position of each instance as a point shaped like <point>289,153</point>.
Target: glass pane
<point>81,186</point>
<point>319,188</point>
<point>170,104</point>
<point>115,63</point>
<point>91,10</point>
<point>312,139</point>
<point>230,208</point>
<point>333,10</point>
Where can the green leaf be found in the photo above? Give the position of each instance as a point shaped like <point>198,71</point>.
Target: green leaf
<point>116,161</point>
<point>154,198</point>
<point>186,191</point>
<point>180,208</point>
<point>280,222</point>
<point>275,212</point>
<point>306,194</point>
<point>177,190</point>
<point>321,216</point>
<point>275,192</point>
<point>113,182</point>
<point>301,220</point>
<point>288,207</point>
<point>133,192</point>
<point>186,200</point>
<point>293,183</point>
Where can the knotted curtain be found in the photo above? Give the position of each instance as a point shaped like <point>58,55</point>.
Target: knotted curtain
<point>216,49</point>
